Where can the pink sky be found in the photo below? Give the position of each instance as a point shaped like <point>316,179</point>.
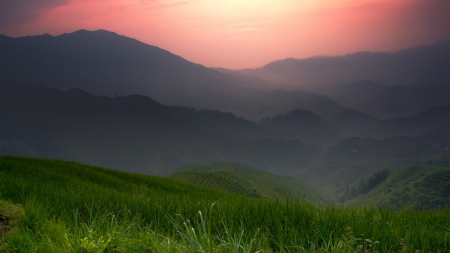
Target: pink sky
<point>239,34</point>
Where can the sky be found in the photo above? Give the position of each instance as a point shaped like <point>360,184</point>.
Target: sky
<point>238,34</point>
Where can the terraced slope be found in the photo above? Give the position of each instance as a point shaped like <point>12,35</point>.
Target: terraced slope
<point>248,181</point>
<point>421,187</point>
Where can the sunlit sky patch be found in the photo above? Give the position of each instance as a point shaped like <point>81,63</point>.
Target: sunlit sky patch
<point>241,33</point>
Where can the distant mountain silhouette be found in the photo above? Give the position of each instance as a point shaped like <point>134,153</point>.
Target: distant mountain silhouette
<point>353,94</point>
<point>104,99</point>
<point>354,123</point>
<point>134,133</point>
<point>303,125</point>
<point>389,101</point>
<point>105,63</point>
<point>414,125</point>
<point>413,66</point>
<point>285,101</point>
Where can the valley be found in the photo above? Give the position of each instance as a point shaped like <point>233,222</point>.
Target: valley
<point>108,144</point>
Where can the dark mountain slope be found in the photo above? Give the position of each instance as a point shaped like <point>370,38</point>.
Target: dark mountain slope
<point>414,125</point>
<point>285,157</point>
<point>105,63</point>
<point>413,66</point>
<point>131,133</point>
<point>352,94</point>
<point>283,101</point>
<point>302,125</point>
<point>389,101</point>
<point>354,123</point>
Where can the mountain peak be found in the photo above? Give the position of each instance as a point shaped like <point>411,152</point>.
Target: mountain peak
<point>88,33</point>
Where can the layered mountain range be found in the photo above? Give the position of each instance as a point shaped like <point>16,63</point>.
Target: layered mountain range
<point>105,63</point>
<point>105,99</point>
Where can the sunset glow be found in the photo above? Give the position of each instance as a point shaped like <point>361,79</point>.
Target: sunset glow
<point>241,33</point>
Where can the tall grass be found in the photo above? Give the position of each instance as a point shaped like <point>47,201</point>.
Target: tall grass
<point>68,207</point>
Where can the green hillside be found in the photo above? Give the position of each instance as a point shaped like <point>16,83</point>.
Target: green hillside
<point>421,187</point>
<point>245,180</point>
<point>57,206</point>
<point>357,158</point>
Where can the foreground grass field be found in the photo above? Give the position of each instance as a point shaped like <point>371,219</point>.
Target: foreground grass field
<point>56,206</point>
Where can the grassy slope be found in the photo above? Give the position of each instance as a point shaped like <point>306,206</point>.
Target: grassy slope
<point>69,207</point>
<point>245,180</point>
<point>418,187</point>
<point>356,158</point>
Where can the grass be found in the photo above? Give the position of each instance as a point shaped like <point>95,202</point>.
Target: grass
<point>57,206</point>
<point>245,180</point>
<point>420,187</point>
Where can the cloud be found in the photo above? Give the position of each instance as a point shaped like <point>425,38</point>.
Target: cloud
<point>14,12</point>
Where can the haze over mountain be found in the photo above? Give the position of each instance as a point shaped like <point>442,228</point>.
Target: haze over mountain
<point>389,101</point>
<point>354,123</point>
<point>104,63</point>
<point>302,125</point>
<point>356,158</point>
<point>413,66</point>
<point>108,100</point>
<point>136,133</point>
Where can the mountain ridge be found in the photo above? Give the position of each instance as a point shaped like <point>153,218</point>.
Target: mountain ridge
<point>426,63</point>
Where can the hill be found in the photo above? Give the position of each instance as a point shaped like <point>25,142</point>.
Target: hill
<point>302,125</point>
<point>282,157</point>
<point>412,66</point>
<point>414,125</point>
<point>420,187</point>
<point>134,133</point>
<point>354,123</point>
<point>283,101</point>
<point>356,158</point>
<point>388,101</point>
<point>245,180</point>
<point>105,63</point>
<point>56,206</point>
<point>383,84</point>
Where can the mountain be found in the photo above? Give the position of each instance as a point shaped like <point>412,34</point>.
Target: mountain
<point>356,158</point>
<point>413,66</point>
<point>302,125</point>
<point>415,125</point>
<point>382,84</point>
<point>105,63</point>
<point>354,123</point>
<point>248,181</point>
<point>283,101</point>
<point>388,101</point>
<point>279,101</point>
<point>134,133</point>
<point>419,187</point>
<point>282,157</point>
